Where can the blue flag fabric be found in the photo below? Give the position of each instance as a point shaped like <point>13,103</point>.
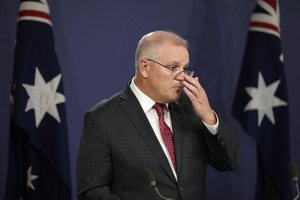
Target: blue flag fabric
<point>38,166</point>
<point>261,102</point>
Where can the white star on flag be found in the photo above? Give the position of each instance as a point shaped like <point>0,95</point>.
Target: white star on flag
<point>30,178</point>
<point>263,99</point>
<point>43,97</point>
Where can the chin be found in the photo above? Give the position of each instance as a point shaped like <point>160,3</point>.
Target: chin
<point>176,97</point>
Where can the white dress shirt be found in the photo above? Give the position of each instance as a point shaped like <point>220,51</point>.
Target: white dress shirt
<point>147,105</point>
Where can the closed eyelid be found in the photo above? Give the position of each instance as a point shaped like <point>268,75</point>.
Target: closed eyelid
<point>179,68</point>
<point>177,65</point>
<point>173,66</point>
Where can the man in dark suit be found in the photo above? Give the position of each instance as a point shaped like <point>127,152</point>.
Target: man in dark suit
<point>162,121</point>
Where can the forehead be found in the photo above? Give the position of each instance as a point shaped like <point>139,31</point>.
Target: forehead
<point>168,52</point>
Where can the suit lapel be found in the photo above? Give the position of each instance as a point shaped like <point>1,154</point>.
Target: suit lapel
<point>138,118</point>
<point>176,119</point>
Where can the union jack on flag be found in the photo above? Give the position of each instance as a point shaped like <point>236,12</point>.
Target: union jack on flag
<point>261,101</point>
<point>38,165</point>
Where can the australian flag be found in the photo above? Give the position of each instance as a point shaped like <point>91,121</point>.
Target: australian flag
<point>38,166</point>
<point>261,102</point>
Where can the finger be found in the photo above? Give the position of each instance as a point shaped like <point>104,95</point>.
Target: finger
<point>194,89</point>
<point>191,95</point>
<point>193,81</point>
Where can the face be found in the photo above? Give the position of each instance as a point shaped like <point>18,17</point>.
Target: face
<point>162,86</point>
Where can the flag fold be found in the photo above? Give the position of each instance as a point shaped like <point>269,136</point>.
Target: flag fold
<point>261,101</point>
<point>38,165</point>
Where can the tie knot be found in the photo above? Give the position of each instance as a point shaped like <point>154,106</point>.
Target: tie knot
<point>160,108</point>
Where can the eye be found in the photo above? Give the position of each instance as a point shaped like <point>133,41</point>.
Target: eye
<point>186,68</point>
<point>173,67</point>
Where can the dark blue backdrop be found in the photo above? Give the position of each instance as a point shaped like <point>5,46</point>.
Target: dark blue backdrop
<point>96,41</point>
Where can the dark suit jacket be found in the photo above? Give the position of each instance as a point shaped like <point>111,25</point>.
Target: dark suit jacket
<point>118,143</point>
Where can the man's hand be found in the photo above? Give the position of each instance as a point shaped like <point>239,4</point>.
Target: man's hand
<point>198,97</point>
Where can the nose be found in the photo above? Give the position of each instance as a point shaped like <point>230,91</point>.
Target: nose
<point>180,76</point>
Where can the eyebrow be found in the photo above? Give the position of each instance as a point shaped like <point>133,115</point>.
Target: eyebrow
<point>178,63</point>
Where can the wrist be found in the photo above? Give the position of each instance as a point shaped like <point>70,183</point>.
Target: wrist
<point>210,118</point>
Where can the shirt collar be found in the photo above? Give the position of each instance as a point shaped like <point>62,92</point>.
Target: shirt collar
<point>146,102</point>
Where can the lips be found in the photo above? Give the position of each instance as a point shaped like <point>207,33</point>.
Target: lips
<point>178,86</point>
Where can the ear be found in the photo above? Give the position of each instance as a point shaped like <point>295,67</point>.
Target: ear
<point>144,67</point>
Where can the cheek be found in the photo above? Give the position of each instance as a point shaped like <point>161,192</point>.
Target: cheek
<point>161,83</point>
<point>161,80</point>
<point>164,83</point>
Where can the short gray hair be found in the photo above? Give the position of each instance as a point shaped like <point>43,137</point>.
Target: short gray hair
<point>149,43</point>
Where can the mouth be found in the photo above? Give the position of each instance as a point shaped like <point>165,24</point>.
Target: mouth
<point>178,86</point>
